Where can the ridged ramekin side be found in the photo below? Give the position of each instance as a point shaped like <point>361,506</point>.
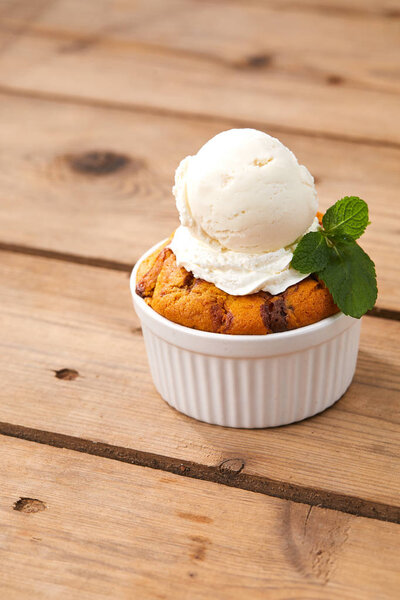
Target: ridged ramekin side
<point>253,392</point>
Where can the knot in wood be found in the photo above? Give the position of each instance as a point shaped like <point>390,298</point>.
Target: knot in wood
<point>257,61</point>
<point>68,374</point>
<point>100,162</point>
<point>334,80</point>
<point>232,465</point>
<point>29,505</point>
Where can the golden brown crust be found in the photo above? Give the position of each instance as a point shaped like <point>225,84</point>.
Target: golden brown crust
<point>177,295</point>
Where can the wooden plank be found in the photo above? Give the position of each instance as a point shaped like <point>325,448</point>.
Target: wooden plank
<point>57,315</point>
<point>296,87</point>
<point>106,529</point>
<point>114,210</point>
<point>361,51</point>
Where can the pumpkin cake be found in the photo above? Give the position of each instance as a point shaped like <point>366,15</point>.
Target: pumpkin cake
<point>177,295</point>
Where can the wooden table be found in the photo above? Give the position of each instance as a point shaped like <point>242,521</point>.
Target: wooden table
<point>106,492</point>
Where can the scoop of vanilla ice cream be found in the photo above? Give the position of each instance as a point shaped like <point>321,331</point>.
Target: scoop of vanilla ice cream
<point>243,202</point>
<point>246,191</point>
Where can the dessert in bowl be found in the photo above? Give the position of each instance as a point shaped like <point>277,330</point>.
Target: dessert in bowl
<point>236,335</point>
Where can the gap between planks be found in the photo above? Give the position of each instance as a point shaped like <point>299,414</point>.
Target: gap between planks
<point>113,265</point>
<point>101,263</point>
<point>223,473</point>
<point>323,8</point>
<point>178,114</point>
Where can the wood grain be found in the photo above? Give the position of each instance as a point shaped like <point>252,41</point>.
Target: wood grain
<point>387,9</point>
<point>57,315</point>
<point>103,180</point>
<point>301,71</point>
<point>86,526</point>
<point>341,50</point>
<point>99,101</point>
<point>20,14</point>
<point>229,472</point>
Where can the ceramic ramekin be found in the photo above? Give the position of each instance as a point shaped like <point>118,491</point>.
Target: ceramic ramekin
<point>249,380</point>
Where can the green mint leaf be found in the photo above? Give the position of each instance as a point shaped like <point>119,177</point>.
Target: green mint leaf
<point>334,255</point>
<point>311,253</point>
<point>350,277</point>
<point>347,217</point>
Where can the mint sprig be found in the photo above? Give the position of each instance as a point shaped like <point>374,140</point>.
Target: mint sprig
<point>334,255</point>
<point>348,217</point>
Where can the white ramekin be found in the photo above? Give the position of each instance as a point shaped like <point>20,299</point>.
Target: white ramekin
<point>249,380</point>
